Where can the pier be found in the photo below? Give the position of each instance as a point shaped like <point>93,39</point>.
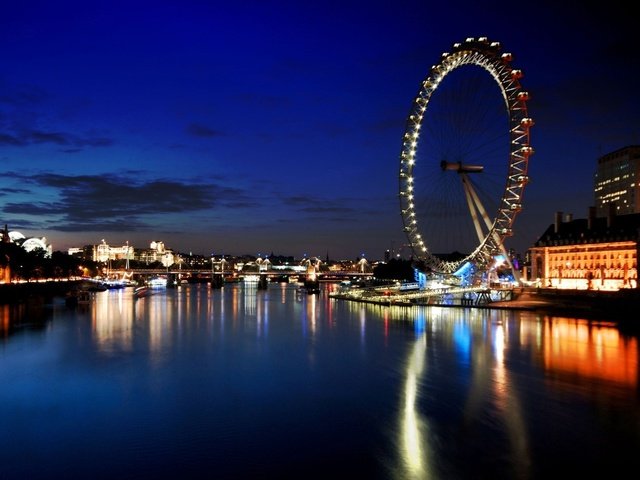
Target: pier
<point>613,306</point>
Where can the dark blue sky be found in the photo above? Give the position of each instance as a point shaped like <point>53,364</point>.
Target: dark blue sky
<point>276,126</point>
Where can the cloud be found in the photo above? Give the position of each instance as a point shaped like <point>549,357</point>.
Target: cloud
<point>26,95</point>
<point>24,120</point>
<point>132,224</point>
<point>202,131</point>
<point>48,137</point>
<point>12,191</point>
<point>261,100</point>
<point>24,138</point>
<point>10,140</point>
<point>321,207</point>
<point>95,142</point>
<point>107,202</point>
<point>62,138</point>
<point>20,208</point>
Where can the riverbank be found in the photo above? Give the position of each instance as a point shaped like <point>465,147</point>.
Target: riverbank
<point>621,306</point>
<point>11,293</point>
<point>596,302</point>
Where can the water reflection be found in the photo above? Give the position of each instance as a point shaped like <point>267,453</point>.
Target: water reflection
<point>31,315</point>
<point>507,400</point>
<point>250,299</point>
<point>486,345</point>
<point>311,313</point>
<point>237,307</point>
<point>271,376</point>
<point>112,318</point>
<point>414,449</point>
<point>593,351</point>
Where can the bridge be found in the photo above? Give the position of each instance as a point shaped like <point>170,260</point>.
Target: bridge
<point>204,274</point>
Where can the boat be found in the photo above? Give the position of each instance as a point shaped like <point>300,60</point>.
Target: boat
<point>96,287</point>
<point>77,297</point>
<point>141,291</point>
<point>157,282</point>
<point>112,284</point>
<point>409,286</point>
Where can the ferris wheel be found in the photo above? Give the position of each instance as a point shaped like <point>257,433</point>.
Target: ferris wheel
<point>464,157</point>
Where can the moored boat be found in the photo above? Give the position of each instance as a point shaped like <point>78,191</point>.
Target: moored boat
<point>157,282</point>
<point>77,297</point>
<point>96,287</point>
<point>114,284</point>
<point>141,291</point>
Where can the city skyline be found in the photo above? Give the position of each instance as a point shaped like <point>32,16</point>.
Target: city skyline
<point>274,126</point>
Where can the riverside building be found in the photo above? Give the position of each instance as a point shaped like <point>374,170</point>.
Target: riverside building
<point>596,253</point>
<point>599,252</point>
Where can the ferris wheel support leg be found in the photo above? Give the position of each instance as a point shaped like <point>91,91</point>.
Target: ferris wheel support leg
<point>479,206</point>
<point>487,221</point>
<point>468,193</point>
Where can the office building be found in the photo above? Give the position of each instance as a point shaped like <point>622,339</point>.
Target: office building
<point>617,182</point>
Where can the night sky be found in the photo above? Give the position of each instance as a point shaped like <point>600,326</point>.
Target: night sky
<point>255,127</point>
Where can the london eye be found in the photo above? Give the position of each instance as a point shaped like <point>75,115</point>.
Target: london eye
<point>464,158</point>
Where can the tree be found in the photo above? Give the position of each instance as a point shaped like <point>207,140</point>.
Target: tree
<point>36,264</point>
<point>395,269</point>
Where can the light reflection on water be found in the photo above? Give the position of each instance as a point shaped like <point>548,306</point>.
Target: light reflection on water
<point>245,381</point>
<point>561,346</point>
<point>414,447</point>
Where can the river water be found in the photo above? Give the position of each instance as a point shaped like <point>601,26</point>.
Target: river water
<point>238,382</point>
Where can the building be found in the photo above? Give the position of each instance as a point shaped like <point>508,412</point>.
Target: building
<point>28,243</point>
<point>5,267</point>
<point>104,252</point>
<point>158,253</point>
<point>617,181</point>
<point>596,253</point>
<point>599,252</point>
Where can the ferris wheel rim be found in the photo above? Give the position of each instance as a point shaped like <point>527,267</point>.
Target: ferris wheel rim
<point>490,57</point>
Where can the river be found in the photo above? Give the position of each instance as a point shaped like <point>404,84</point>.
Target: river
<point>238,382</point>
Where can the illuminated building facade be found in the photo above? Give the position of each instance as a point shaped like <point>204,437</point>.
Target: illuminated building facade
<point>30,244</point>
<point>5,268</point>
<point>103,252</point>
<point>158,253</point>
<point>597,253</point>
<point>5,273</point>
<point>617,181</point>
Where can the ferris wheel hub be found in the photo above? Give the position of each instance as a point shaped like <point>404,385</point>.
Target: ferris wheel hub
<point>460,167</point>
